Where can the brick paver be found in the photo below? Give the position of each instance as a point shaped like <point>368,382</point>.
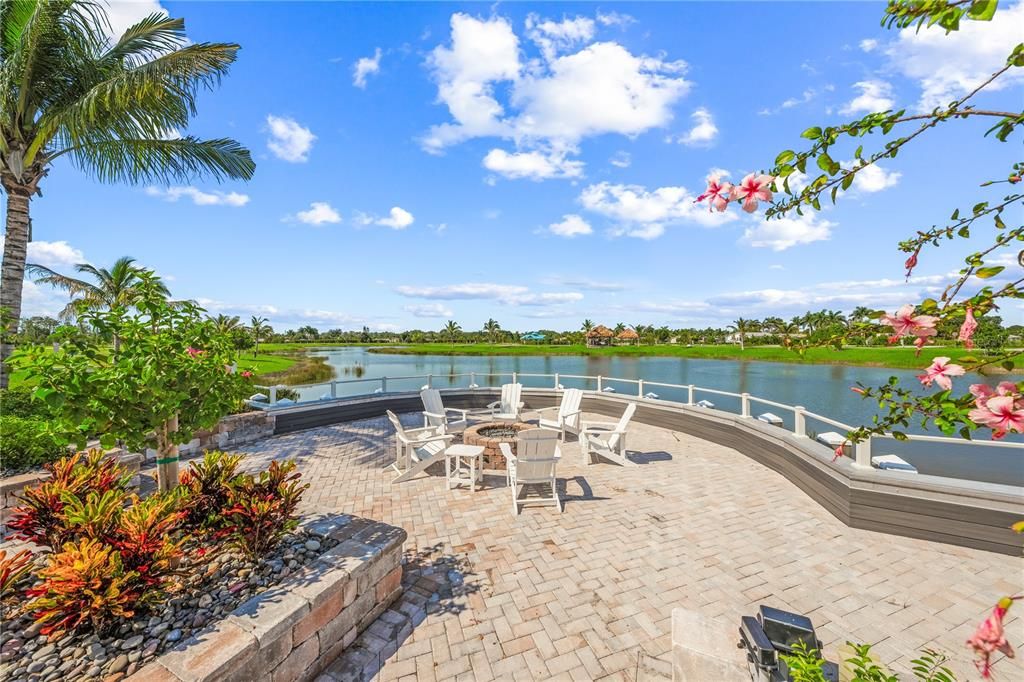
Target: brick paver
<point>588,594</point>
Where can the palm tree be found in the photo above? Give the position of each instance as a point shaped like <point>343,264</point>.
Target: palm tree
<point>116,287</point>
<point>492,328</point>
<point>259,327</point>
<point>741,327</point>
<point>786,330</point>
<point>109,107</point>
<point>588,326</point>
<point>619,328</point>
<point>226,324</point>
<point>452,330</point>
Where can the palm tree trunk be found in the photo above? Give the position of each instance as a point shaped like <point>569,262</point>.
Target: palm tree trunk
<point>13,273</point>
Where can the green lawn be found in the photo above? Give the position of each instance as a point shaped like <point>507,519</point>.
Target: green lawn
<point>264,363</point>
<point>885,356</point>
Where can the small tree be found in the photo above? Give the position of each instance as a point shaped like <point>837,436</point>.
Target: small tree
<point>452,331</point>
<point>260,330</point>
<point>170,376</point>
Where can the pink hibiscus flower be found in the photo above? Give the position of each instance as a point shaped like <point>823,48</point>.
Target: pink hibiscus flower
<point>1002,414</point>
<point>990,638</point>
<point>246,374</point>
<point>752,189</point>
<point>967,329</point>
<point>194,352</point>
<point>718,192</point>
<point>940,372</point>
<point>904,322</point>
<point>912,262</point>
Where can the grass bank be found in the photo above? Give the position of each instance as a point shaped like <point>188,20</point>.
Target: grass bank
<point>291,368</point>
<point>888,356</point>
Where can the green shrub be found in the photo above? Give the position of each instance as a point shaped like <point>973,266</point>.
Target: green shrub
<point>25,443</point>
<point>18,402</point>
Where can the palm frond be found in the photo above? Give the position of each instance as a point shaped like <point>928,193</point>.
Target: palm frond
<point>45,275</point>
<point>139,102</point>
<point>153,35</point>
<point>136,161</point>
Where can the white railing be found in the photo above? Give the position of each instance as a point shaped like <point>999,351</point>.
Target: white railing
<point>640,389</point>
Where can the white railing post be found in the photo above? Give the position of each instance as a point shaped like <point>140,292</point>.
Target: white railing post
<point>334,389</point>
<point>600,380</point>
<point>515,377</point>
<point>556,380</point>
<point>744,404</point>
<point>234,367</point>
<point>430,381</point>
<point>640,388</point>
<point>862,452</point>
<point>799,424</point>
<point>383,384</point>
<point>273,394</point>
<point>689,399</point>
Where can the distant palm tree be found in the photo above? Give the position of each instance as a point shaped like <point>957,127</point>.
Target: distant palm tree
<point>492,328</point>
<point>452,331</point>
<point>619,328</point>
<point>227,324</point>
<point>259,328</point>
<point>109,107</point>
<point>741,327</point>
<point>116,287</point>
<point>588,326</point>
<point>786,330</point>
<point>861,314</point>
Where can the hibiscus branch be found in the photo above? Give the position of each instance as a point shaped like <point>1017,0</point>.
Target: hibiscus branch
<point>834,177</point>
<point>958,228</point>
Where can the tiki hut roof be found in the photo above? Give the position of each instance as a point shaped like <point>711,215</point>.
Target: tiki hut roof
<point>600,331</point>
<point>628,334</point>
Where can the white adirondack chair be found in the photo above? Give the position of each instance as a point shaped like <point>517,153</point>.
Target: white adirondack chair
<point>607,439</point>
<point>566,417</point>
<point>416,449</point>
<point>439,418</point>
<point>510,406</point>
<point>534,463</point>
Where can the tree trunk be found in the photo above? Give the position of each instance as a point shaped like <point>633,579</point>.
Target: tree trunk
<point>13,273</point>
<point>167,456</point>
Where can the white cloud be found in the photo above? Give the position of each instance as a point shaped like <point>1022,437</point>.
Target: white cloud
<point>808,95</point>
<point>289,140</point>
<point>534,165</point>
<point>621,160</point>
<point>949,66</point>
<point>364,68</point>
<point>875,95</point>
<point>508,294</point>
<point>199,197</point>
<point>572,225</point>
<point>430,310</point>
<point>780,234</point>
<point>318,213</point>
<point>551,103</point>
<point>397,219</point>
<point>868,44</point>
<point>57,255</point>
<point>874,178</point>
<point>584,283</point>
<point>776,266</point>
<point>554,37</point>
<point>643,214</point>
<point>704,130</point>
<point>615,19</point>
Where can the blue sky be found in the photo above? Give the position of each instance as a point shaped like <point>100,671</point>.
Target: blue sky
<point>537,163</point>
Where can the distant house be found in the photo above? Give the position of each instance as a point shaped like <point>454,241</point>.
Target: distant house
<point>627,337</point>
<point>735,336</point>
<point>600,336</point>
<point>532,336</point>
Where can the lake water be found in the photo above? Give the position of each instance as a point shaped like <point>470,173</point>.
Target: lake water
<point>824,389</point>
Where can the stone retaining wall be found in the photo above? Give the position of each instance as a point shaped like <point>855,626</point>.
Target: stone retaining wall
<point>297,628</point>
<point>12,486</point>
<point>233,430</point>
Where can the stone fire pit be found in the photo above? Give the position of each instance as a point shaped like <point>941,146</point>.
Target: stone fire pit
<point>490,435</point>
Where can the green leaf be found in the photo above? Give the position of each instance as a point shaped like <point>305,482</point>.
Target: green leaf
<point>1016,57</point>
<point>826,163</point>
<point>986,273</point>
<point>811,133</point>
<point>785,157</point>
<point>982,10</point>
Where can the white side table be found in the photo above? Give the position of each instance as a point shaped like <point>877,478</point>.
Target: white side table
<point>464,464</point>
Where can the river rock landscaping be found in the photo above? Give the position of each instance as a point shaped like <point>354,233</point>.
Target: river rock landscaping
<point>214,585</point>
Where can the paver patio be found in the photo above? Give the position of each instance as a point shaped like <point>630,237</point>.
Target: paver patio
<point>588,594</point>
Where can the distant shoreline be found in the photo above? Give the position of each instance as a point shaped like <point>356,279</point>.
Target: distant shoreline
<point>883,356</point>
